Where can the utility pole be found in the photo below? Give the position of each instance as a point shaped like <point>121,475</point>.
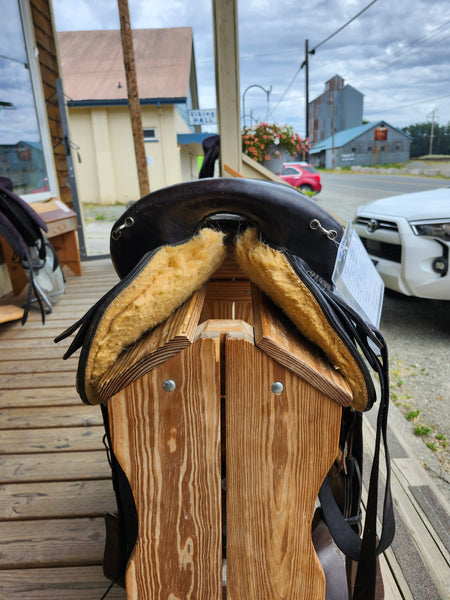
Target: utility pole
<point>306,63</point>
<point>431,116</point>
<point>133,96</point>
<point>333,125</point>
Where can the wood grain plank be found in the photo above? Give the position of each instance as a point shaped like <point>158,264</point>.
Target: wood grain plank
<point>53,416</point>
<point>36,365</point>
<point>227,310</point>
<point>55,466</point>
<point>61,542</point>
<point>45,332</point>
<point>63,583</point>
<point>30,344</point>
<point>230,268</point>
<point>67,439</point>
<point>236,290</point>
<point>50,499</point>
<point>33,380</point>
<point>155,347</point>
<point>39,397</point>
<point>23,353</point>
<point>168,444</point>
<point>277,457</point>
<point>276,336</point>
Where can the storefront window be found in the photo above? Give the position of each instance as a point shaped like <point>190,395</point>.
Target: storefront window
<point>22,144</point>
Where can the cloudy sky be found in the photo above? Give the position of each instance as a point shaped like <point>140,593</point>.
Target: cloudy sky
<point>396,53</point>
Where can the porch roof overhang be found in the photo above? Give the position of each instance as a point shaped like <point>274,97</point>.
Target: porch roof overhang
<point>192,138</point>
<point>124,102</point>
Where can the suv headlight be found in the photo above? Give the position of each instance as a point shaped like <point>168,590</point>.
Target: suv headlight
<point>436,229</point>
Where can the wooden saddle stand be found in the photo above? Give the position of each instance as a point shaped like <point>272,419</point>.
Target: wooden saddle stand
<point>223,422</point>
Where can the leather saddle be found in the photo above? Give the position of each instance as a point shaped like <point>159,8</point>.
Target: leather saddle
<point>169,243</point>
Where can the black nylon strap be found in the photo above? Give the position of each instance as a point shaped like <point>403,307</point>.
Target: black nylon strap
<point>366,550</point>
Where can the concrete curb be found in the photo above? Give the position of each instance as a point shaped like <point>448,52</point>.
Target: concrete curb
<point>425,170</point>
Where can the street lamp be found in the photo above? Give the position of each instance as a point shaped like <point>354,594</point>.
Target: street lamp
<point>267,92</point>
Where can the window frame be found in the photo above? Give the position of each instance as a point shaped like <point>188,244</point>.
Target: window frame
<point>150,140</point>
<point>39,102</point>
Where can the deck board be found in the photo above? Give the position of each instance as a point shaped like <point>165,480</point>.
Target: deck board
<point>59,439</point>
<point>22,501</point>
<point>70,583</point>
<point>49,416</point>
<point>55,480</point>
<point>53,467</point>
<point>62,542</point>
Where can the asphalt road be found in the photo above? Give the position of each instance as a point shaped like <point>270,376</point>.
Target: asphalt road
<point>343,192</point>
<point>417,331</point>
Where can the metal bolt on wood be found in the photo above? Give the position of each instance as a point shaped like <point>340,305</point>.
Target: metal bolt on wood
<point>169,385</point>
<point>277,387</point>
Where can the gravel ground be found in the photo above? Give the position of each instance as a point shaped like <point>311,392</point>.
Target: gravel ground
<point>418,335</point>
<point>417,332</point>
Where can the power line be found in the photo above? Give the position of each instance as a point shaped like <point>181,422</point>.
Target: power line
<point>415,103</point>
<point>416,43</point>
<point>285,92</point>
<point>314,50</point>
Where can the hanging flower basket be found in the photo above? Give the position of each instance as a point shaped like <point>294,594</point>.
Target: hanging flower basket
<point>272,144</point>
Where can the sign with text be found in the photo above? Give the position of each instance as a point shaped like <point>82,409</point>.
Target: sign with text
<point>206,116</point>
<point>381,133</point>
<point>356,279</point>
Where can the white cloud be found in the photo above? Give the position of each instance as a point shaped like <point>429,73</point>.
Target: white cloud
<point>395,53</point>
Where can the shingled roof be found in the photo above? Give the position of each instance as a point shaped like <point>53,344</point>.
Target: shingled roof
<point>93,71</point>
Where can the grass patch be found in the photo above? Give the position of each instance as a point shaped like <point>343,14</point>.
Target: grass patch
<point>389,166</point>
<point>421,430</point>
<point>412,415</point>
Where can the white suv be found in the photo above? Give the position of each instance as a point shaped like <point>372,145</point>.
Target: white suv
<point>408,239</point>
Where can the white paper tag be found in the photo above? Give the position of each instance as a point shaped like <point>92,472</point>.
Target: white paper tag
<point>356,279</point>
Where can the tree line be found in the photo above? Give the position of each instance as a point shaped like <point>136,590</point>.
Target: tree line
<point>420,134</point>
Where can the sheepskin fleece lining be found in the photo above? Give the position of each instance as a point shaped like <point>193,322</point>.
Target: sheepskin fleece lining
<point>270,270</point>
<point>171,276</point>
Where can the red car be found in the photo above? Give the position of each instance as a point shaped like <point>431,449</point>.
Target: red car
<point>302,176</point>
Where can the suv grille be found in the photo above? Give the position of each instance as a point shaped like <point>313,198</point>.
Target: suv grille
<point>391,252</point>
<point>380,223</point>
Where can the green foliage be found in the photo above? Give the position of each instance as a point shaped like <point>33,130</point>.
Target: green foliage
<point>421,430</point>
<point>420,142</point>
<point>442,440</point>
<point>413,414</point>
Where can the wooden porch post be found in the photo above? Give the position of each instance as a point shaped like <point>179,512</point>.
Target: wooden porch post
<point>133,96</point>
<point>226,50</point>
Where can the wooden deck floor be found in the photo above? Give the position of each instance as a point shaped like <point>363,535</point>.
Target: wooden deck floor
<point>55,482</point>
<point>54,475</point>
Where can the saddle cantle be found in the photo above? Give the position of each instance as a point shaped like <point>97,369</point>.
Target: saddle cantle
<point>169,243</point>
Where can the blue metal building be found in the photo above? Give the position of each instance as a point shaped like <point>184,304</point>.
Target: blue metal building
<point>370,144</point>
<point>340,107</point>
